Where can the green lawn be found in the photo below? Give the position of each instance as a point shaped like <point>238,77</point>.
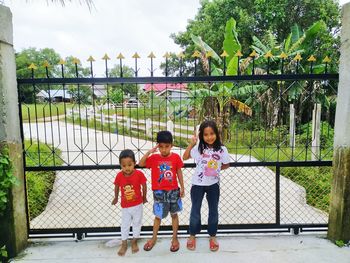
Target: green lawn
<point>37,111</point>
<point>39,184</point>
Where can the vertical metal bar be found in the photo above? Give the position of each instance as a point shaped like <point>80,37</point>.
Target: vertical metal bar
<point>278,195</point>
<point>79,107</point>
<point>50,111</point>
<point>224,71</point>
<point>65,114</point>
<point>94,110</point>
<point>195,66</point>
<point>238,69</point>
<point>36,121</point>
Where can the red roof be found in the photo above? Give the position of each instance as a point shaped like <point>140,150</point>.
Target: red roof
<point>162,86</point>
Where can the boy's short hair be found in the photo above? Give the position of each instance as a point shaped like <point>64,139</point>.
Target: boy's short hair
<point>127,154</point>
<point>164,137</point>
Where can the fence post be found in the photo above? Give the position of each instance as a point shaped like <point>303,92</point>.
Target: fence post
<point>316,126</point>
<point>170,126</point>
<point>291,126</point>
<point>14,225</point>
<point>148,127</point>
<point>339,213</point>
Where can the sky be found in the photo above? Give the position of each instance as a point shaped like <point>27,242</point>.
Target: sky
<point>111,26</point>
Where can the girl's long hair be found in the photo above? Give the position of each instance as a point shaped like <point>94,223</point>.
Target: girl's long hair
<point>202,144</point>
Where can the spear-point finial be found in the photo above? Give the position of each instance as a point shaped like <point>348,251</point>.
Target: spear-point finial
<point>61,62</point>
<point>136,55</point>
<point>253,54</point>
<point>283,55</point>
<point>209,54</point>
<point>297,57</point>
<point>181,55</point>
<point>76,61</point>
<point>106,57</point>
<point>90,59</point>
<point>311,59</point>
<point>32,66</point>
<point>120,56</point>
<point>196,54</point>
<point>46,64</point>
<point>151,55</point>
<point>268,55</point>
<point>224,54</point>
<point>326,59</point>
<point>239,54</point>
<point>166,55</point>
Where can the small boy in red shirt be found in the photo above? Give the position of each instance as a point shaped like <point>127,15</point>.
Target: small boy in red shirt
<point>166,174</point>
<point>130,182</point>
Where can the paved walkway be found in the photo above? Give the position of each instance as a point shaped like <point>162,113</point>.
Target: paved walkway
<point>242,249</point>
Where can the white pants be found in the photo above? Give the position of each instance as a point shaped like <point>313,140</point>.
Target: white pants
<point>131,216</point>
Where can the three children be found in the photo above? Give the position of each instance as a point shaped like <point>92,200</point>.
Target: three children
<point>168,187</point>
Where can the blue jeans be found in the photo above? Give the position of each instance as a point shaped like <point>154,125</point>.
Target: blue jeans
<point>197,194</point>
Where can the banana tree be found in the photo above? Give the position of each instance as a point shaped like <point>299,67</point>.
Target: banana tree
<point>296,43</point>
<point>217,99</point>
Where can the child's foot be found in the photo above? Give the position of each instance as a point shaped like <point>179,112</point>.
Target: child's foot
<point>149,244</point>
<point>123,248</point>
<point>134,246</point>
<point>213,244</point>
<point>191,243</point>
<point>175,245</point>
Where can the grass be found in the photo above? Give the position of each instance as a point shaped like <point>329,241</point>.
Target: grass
<point>31,112</point>
<point>39,184</point>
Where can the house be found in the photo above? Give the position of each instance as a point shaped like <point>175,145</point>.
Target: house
<point>172,91</point>
<point>55,95</point>
<point>99,91</point>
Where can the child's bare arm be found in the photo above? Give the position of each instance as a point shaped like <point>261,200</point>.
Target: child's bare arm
<point>116,194</point>
<point>144,193</point>
<point>142,162</point>
<point>225,166</point>
<point>187,153</point>
<point>181,182</point>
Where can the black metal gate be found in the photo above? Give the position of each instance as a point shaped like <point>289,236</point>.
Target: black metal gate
<point>279,177</point>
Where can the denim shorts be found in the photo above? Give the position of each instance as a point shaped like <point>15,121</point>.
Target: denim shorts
<point>165,202</point>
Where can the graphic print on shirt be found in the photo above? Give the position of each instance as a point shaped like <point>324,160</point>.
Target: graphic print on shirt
<point>211,168</point>
<point>129,192</point>
<point>165,172</point>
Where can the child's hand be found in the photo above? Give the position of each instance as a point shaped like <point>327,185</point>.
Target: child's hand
<point>115,201</point>
<point>182,192</point>
<point>193,141</point>
<point>154,149</point>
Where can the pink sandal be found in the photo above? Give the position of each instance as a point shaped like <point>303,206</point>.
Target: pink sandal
<point>191,244</point>
<point>213,245</point>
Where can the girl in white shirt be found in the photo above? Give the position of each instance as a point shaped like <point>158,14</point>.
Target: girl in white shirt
<point>211,157</point>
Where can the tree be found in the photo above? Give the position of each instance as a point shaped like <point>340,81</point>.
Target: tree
<point>32,55</point>
<point>255,18</point>
<point>131,89</point>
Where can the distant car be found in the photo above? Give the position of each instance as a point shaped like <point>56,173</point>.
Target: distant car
<point>133,103</point>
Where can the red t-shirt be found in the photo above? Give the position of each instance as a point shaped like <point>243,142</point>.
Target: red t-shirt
<point>164,171</point>
<point>130,187</point>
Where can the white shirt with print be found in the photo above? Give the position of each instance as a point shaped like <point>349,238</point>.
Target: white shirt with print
<point>208,165</point>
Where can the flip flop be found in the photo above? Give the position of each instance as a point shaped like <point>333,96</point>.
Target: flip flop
<point>148,245</point>
<point>213,245</point>
<point>174,246</point>
<point>191,244</point>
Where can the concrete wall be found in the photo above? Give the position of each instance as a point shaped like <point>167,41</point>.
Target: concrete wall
<point>339,214</point>
<point>15,223</point>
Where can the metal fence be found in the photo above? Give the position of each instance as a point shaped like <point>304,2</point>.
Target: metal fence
<point>278,129</point>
